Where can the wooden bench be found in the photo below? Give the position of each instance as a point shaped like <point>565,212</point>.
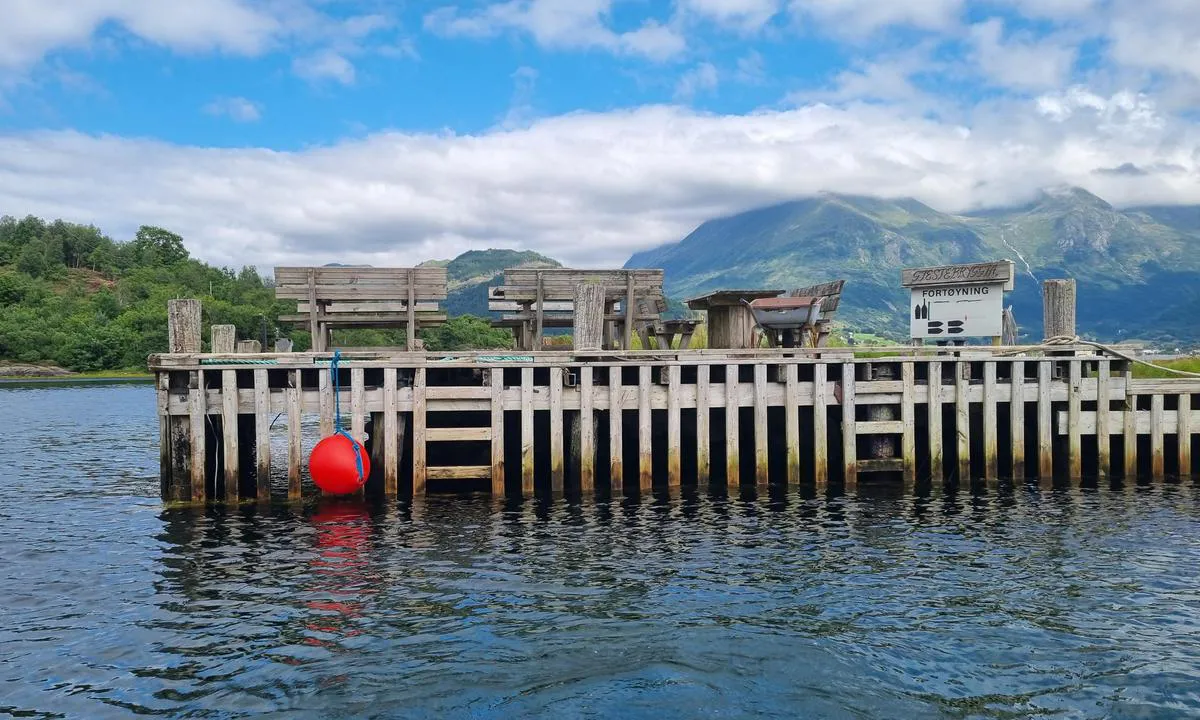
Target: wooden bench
<point>362,297</point>
<point>535,299</point>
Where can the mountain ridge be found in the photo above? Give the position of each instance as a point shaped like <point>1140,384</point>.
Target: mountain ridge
<point>1135,266</point>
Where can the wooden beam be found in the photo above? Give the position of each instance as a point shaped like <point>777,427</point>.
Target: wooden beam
<point>295,441</point>
<point>937,458</point>
<point>229,434</point>
<point>1016,418</point>
<point>630,309</point>
<point>1045,439</point>
<point>1184,433</point>
<point>820,424</point>
<point>391,440</point>
<point>1074,431</point>
<point>991,463</point>
<point>962,420</point>
<point>674,431</point>
<point>527,431</point>
<point>791,424</point>
<point>497,408</point>
<point>849,429</point>
<point>761,456</point>
<point>198,417</point>
<point>1157,463</point>
<point>645,436</point>
<point>615,430</point>
<point>411,329</point>
<point>587,430</point>
<point>556,429</point>
<point>262,434</point>
<point>1129,422</point>
<point>1103,425</point>
<point>419,439</point>
<point>908,416</point>
<point>732,434</point>
<point>703,426</point>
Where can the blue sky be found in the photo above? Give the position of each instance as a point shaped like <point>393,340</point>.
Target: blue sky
<point>314,130</point>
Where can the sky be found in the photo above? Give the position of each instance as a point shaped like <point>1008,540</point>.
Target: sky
<point>389,132</point>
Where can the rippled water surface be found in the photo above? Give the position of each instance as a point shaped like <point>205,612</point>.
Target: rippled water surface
<point>1020,603</point>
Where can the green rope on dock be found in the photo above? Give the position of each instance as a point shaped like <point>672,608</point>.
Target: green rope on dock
<point>247,361</point>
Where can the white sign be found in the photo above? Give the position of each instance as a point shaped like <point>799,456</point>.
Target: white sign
<point>951,312</point>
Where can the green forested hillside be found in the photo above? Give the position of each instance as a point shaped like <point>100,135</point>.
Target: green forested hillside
<point>74,297</point>
<point>71,296</point>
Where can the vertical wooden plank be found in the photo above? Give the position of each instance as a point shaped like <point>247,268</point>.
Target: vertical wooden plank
<point>937,456</point>
<point>391,435</point>
<point>629,311</point>
<point>761,458</point>
<point>358,406</point>
<point>411,329</point>
<point>962,420</point>
<point>849,429</point>
<point>587,430</point>
<point>229,433</point>
<point>1185,435</point>
<point>1129,423</point>
<point>419,453</point>
<point>262,433</point>
<point>540,314</point>
<point>556,429</point>
<point>791,409</point>
<point>703,425</point>
<point>821,423</point>
<point>991,464</point>
<point>645,438</point>
<point>1016,419</point>
<point>616,406</point>
<point>908,416</point>
<point>314,324</point>
<point>674,433</point>
<point>527,431</point>
<point>497,379</point>
<point>733,468</point>
<point>325,380</point>
<point>1103,421</point>
<point>295,446</point>
<point>1045,429</point>
<point>198,414</point>
<point>1074,414</point>
<point>1157,465</point>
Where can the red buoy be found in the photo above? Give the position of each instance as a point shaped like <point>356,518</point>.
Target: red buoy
<point>334,467</point>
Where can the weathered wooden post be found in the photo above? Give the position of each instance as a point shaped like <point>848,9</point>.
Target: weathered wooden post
<point>223,339</point>
<point>181,470</point>
<point>249,347</point>
<point>183,326</point>
<point>283,345</point>
<point>589,316</point>
<point>1058,308</point>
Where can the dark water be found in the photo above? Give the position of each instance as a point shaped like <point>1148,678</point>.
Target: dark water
<point>1025,603</point>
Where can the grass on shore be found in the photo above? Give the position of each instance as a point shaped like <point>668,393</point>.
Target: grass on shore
<point>1191,364</point>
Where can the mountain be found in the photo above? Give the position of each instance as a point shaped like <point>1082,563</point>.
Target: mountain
<point>1138,269</point>
<point>469,275</point>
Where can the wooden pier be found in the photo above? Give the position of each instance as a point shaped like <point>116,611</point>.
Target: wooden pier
<point>632,421</point>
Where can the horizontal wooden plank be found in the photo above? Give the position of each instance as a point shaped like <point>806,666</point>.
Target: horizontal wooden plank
<point>434,392</point>
<point>473,434</point>
<point>1087,422</point>
<point>297,275</point>
<point>369,307</point>
<point>881,465</point>
<point>377,320</point>
<point>879,427</point>
<point>359,294</point>
<point>458,472</point>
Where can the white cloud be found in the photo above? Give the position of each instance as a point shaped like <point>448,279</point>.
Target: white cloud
<point>32,28</point>
<point>235,108</point>
<point>701,78</point>
<point>559,24</point>
<point>586,188</point>
<point>857,18</point>
<point>738,14</point>
<point>325,65</point>
<point>1161,35</point>
<point>1021,61</point>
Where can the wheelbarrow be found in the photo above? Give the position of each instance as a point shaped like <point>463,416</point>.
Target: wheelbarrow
<point>787,315</point>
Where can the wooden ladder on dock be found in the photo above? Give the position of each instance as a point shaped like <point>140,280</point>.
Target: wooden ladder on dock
<point>424,436</point>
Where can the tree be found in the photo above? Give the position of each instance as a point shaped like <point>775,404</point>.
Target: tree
<point>466,332</point>
<point>156,246</point>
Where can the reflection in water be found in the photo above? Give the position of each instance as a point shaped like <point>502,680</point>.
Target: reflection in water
<point>1012,603</point>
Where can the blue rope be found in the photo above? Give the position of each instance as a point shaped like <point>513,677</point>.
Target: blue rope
<point>337,414</point>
